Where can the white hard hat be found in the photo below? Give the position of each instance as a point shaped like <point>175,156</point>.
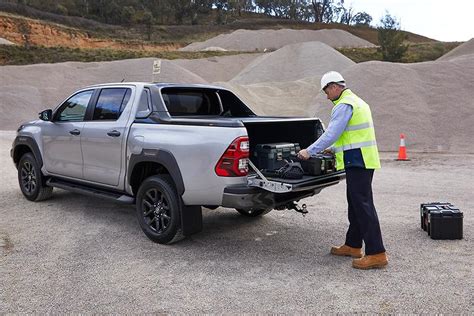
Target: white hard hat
<point>329,77</point>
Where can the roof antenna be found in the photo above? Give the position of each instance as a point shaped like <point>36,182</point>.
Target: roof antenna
<point>123,80</point>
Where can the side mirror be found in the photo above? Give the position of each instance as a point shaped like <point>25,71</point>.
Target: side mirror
<point>46,115</point>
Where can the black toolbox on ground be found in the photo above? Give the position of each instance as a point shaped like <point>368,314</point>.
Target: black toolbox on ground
<point>319,164</point>
<point>441,220</point>
<point>273,156</point>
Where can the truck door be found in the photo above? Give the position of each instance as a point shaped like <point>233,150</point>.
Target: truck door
<point>62,136</point>
<point>103,136</point>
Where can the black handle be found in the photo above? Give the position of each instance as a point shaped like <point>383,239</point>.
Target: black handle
<point>114,133</point>
<point>75,132</point>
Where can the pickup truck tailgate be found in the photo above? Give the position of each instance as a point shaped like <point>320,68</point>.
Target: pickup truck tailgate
<point>279,185</point>
<point>257,196</point>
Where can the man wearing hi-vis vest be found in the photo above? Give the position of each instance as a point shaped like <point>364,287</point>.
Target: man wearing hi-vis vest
<point>351,136</point>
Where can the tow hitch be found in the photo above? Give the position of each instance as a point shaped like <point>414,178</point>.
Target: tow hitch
<point>294,206</point>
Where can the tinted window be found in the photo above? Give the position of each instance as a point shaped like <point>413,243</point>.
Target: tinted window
<point>111,103</point>
<point>180,102</point>
<point>144,104</point>
<point>232,106</point>
<point>74,109</point>
<point>126,99</point>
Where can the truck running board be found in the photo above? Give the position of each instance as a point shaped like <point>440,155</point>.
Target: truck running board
<point>92,191</point>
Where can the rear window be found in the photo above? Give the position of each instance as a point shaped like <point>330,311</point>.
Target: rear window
<point>111,103</point>
<point>186,102</point>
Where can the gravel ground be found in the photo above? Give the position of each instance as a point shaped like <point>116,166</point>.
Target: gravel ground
<point>79,254</point>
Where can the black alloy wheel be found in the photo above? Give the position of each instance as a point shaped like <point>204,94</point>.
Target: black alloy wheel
<point>31,180</point>
<point>156,210</point>
<point>159,209</point>
<point>28,178</point>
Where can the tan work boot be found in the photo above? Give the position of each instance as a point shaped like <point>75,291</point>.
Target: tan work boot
<point>345,250</point>
<point>379,260</point>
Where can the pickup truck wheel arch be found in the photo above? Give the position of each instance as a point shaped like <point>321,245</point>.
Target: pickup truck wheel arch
<point>160,157</point>
<point>23,145</point>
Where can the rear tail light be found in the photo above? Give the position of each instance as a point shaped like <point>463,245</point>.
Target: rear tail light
<point>235,160</point>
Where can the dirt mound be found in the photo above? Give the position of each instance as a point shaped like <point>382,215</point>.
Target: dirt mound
<point>217,68</point>
<point>26,90</point>
<point>260,40</point>
<point>294,62</point>
<point>292,98</point>
<point>430,102</point>
<point>464,49</point>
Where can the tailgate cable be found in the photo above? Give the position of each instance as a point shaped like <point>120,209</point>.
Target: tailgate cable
<point>291,205</point>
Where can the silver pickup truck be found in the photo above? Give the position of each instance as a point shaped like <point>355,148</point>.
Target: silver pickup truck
<point>170,149</point>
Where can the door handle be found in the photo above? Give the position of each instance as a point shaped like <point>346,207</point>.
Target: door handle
<point>75,132</point>
<point>114,133</point>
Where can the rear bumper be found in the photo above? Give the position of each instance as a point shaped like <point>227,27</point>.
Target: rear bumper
<point>245,197</point>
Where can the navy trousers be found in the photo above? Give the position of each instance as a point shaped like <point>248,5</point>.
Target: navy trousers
<point>363,220</point>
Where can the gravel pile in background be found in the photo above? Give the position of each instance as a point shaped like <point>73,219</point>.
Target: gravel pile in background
<point>217,68</point>
<point>430,102</point>
<point>26,90</point>
<point>464,49</point>
<point>262,40</point>
<point>293,62</point>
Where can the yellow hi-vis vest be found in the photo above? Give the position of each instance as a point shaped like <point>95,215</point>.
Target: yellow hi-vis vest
<point>359,132</point>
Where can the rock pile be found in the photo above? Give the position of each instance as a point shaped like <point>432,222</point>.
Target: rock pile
<point>430,102</point>
<point>293,62</point>
<point>463,49</point>
<point>26,90</point>
<point>215,69</point>
<point>269,40</point>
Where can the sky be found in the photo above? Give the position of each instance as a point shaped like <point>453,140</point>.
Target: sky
<point>440,20</point>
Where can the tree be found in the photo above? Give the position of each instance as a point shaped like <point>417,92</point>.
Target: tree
<point>323,10</point>
<point>25,31</point>
<point>361,18</point>
<point>391,39</point>
<point>127,15</point>
<point>345,14</point>
<point>148,20</point>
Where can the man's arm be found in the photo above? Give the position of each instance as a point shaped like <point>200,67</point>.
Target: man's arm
<point>340,116</point>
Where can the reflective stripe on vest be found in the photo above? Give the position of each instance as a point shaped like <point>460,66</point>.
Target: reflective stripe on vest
<point>359,126</point>
<point>355,146</point>
<point>358,134</point>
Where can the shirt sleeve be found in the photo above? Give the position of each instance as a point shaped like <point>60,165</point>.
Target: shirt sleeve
<point>340,116</point>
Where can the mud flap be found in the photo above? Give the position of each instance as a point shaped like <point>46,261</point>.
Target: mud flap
<point>191,219</point>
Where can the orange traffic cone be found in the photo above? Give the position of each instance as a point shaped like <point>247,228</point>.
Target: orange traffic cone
<point>402,151</point>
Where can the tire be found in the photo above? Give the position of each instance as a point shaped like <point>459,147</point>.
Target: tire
<point>253,213</point>
<point>31,180</point>
<point>158,208</point>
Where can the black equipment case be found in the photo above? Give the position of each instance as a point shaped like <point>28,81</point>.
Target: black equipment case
<point>273,156</point>
<point>319,164</point>
<point>442,220</point>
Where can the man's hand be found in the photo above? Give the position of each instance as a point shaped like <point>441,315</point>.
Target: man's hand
<point>328,151</point>
<point>303,154</point>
